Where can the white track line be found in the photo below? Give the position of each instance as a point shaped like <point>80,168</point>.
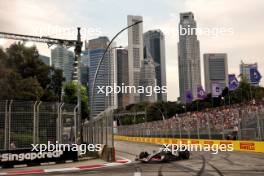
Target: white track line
<point>61,169</point>
<point>137,173</point>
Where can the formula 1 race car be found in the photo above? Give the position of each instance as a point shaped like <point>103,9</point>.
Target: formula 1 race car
<point>163,156</point>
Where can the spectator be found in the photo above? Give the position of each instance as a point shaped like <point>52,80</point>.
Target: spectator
<point>12,145</point>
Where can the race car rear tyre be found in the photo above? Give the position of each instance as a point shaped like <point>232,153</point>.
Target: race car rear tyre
<point>184,154</point>
<point>143,155</point>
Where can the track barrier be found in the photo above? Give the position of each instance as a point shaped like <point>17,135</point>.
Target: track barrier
<point>243,146</point>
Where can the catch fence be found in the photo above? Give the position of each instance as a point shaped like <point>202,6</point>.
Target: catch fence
<point>23,123</point>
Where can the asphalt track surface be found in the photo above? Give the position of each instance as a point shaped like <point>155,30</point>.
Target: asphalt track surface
<point>200,164</point>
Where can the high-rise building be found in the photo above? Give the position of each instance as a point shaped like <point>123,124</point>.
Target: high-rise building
<point>154,43</point>
<point>122,76</point>
<point>105,77</point>
<point>148,79</point>
<point>84,67</point>
<point>188,56</point>
<point>245,71</point>
<point>45,59</point>
<point>63,59</point>
<point>69,66</point>
<point>215,70</point>
<point>135,54</point>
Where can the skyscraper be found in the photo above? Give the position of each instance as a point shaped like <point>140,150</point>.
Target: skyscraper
<point>105,77</point>
<point>245,71</point>
<point>154,43</point>
<point>84,67</point>
<point>188,56</point>
<point>45,59</point>
<point>215,70</point>
<point>122,76</point>
<point>148,79</point>
<point>63,59</point>
<point>135,54</point>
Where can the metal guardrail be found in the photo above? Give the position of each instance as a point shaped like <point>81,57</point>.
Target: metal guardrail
<point>100,129</point>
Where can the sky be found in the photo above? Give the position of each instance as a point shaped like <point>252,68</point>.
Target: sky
<point>242,22</point>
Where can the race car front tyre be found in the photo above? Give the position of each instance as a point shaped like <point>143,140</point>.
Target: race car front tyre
<point>184,154</point>
<point>166,158</point>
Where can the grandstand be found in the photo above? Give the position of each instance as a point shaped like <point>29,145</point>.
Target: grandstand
<point>238,121</point>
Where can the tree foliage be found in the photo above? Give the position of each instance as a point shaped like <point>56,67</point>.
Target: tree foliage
<point>24,77</point>
<point>71,96</point>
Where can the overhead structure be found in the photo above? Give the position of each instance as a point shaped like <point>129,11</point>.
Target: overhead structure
<point>49,41</point>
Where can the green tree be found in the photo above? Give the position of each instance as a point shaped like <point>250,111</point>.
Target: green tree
<point>24,77</point>
<point>13,86</point>
<point>70,96</point>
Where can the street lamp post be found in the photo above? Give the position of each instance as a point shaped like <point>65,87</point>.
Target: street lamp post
<point>101,60</point>
<point>78,50</point>
<point>162,114</point>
